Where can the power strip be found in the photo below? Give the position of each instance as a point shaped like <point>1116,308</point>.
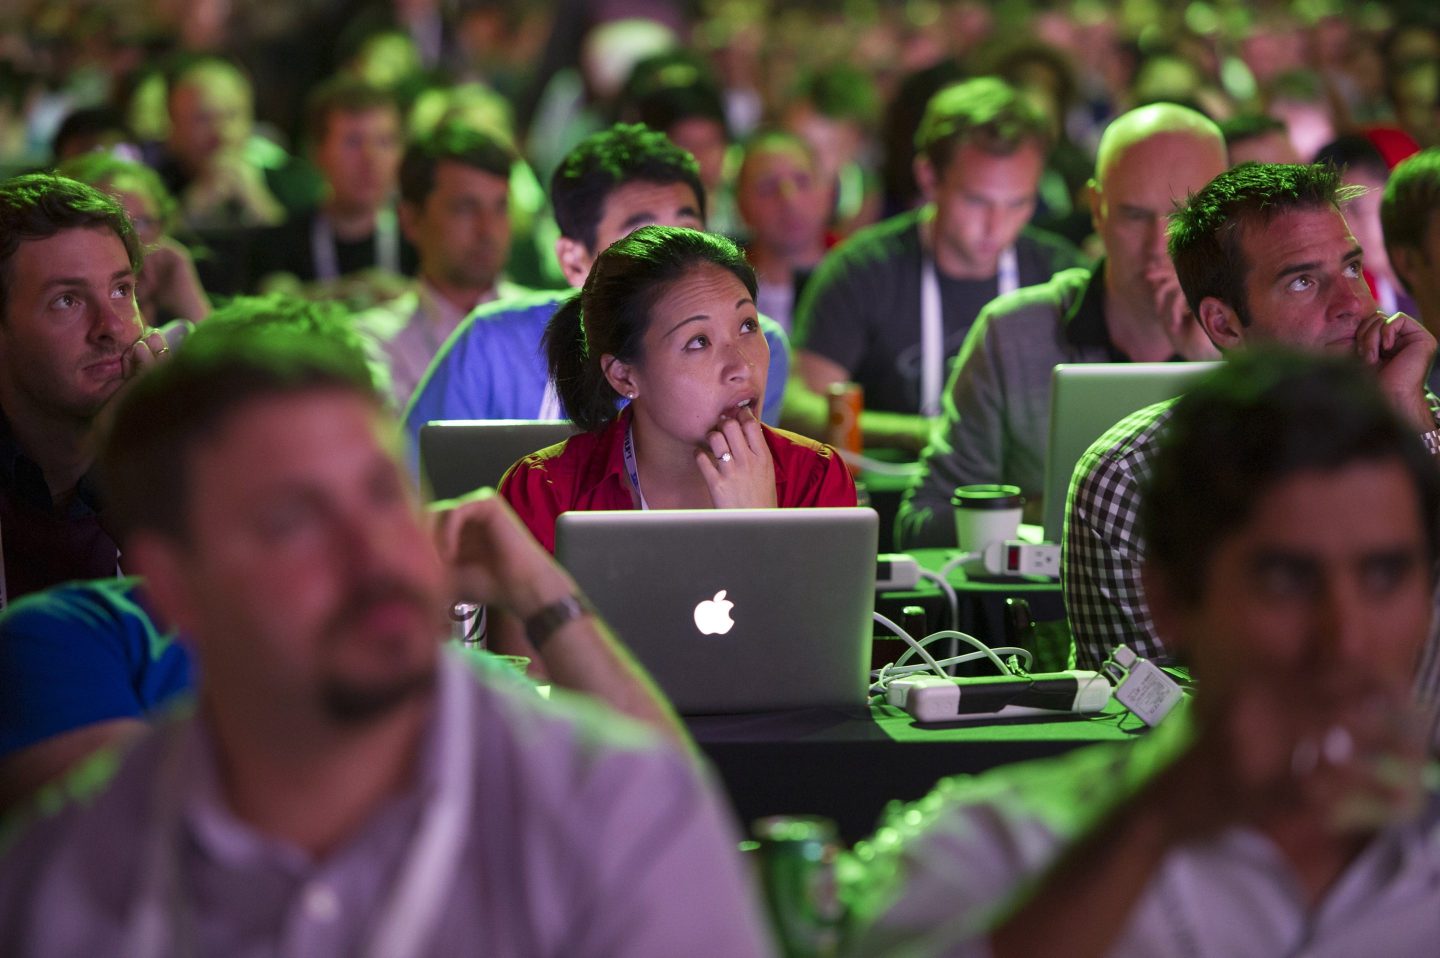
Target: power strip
<point>1017,557</point>
<point>932,699</point>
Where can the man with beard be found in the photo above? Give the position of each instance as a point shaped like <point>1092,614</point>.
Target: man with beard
<point>344,785</point>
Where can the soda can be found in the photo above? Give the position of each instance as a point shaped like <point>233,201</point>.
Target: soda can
<point>467,623</point>
<point>847,400</point>
<point>797,858</point>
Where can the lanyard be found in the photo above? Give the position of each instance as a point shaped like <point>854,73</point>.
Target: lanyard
<point>631,469</point>
<point>161,922</point>
<point>327,261</point>
<point>932,324</point>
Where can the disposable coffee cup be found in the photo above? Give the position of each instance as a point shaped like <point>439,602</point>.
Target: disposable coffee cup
<point>986,514</point>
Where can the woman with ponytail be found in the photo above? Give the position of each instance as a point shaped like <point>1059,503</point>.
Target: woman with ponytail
<point>661,362</point>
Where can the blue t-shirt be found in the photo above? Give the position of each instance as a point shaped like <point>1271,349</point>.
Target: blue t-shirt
<point>493,366</point>
<point>82,653</point>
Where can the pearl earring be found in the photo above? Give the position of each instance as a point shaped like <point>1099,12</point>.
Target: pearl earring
<point>630,394</point>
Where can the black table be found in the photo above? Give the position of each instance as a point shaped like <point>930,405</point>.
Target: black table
<point>848,764</point>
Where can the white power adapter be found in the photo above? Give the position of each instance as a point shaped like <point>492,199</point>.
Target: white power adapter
<point>1141,687</point>
<point>895,571</point>
<point>1016,557</point>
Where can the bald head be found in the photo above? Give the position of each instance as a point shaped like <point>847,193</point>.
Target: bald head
<point>1150,161</point>
<point>1169,121</point>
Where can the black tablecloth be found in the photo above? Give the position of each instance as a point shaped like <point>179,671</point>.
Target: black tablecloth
<point>847,764</point>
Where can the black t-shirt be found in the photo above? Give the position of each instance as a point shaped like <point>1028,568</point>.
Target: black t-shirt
<point>861,310</point>
<point>287,249</point>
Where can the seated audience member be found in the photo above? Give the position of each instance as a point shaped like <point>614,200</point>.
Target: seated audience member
<point>1257,138</point>
<point>337,754</point>
<point>835,108</point>
<point>168,286</point>
<point>1263,254</point>
<point>676,94</point>
<point>356,140</point>
<point>922,277</point>
<point>494,367</point>
<point>784,205</point>
<point>1287,808</point>
<point>454,206</point>
<point>82,665</point>
<point>1130,307</point>
<point>1361,164</point>
<point>212,162</point>
<point>1410,217</point>
<point>70,337</point>
<point>667,321</point>
<point>92,129</point>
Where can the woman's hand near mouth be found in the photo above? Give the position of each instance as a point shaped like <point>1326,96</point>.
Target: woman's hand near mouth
<point>737,467</point>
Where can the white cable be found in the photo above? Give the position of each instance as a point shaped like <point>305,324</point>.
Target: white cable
<point>960,559</point>
<point>885,674</point>
<point>916,646</point>
<point>895,669</point>
<point>988,652</point>
<point>950,596</point>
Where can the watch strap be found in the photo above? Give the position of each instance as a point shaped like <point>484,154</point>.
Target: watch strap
<point>546,622</point>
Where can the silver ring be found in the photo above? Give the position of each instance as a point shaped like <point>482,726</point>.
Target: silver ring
<point>726,457</point>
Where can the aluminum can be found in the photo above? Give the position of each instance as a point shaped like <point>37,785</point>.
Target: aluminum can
<point>796,856</point>
<point>847,400</point>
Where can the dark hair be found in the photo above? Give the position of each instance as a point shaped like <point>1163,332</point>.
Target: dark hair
<point>1204,233</point>
<point>92,123</point>
<point>611,312</point>
<point>455,143</point>
<point>605,161</point>
<point>37,206</point>
<point>251,349</point>
<point>667,88</point>
<point>1412,197</point>
<point>344,94</point>
<point>1353,151</point>
<point>841,91</point>
<point>985,112</point>
<point>1264,415</point>
<point>93,169</point>
<point>1250,126</point>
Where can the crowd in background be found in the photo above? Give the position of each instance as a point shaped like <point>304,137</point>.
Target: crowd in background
<point>230,139</point>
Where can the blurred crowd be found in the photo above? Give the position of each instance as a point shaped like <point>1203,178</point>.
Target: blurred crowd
<point>218,96</point>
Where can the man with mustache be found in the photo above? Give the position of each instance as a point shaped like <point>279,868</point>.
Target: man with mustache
<point>346,785</point>
<point>1264,255</point>
<point>70,336</point>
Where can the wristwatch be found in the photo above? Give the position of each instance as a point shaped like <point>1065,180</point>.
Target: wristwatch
<point>545,623</point>
<point>1431,441</point>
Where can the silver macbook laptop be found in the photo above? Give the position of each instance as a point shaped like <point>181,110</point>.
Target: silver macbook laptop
<point>1086,399</point>
<point>462,455</point>
<point>734,610</point>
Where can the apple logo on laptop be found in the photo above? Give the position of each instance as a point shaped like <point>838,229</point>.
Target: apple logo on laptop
<point>712,616</point>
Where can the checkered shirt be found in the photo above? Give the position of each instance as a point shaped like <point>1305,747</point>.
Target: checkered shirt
<point>1103,553</point>
<point>1102,548</point>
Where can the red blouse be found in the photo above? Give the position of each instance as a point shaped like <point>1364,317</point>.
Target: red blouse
<point>587,472</point>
